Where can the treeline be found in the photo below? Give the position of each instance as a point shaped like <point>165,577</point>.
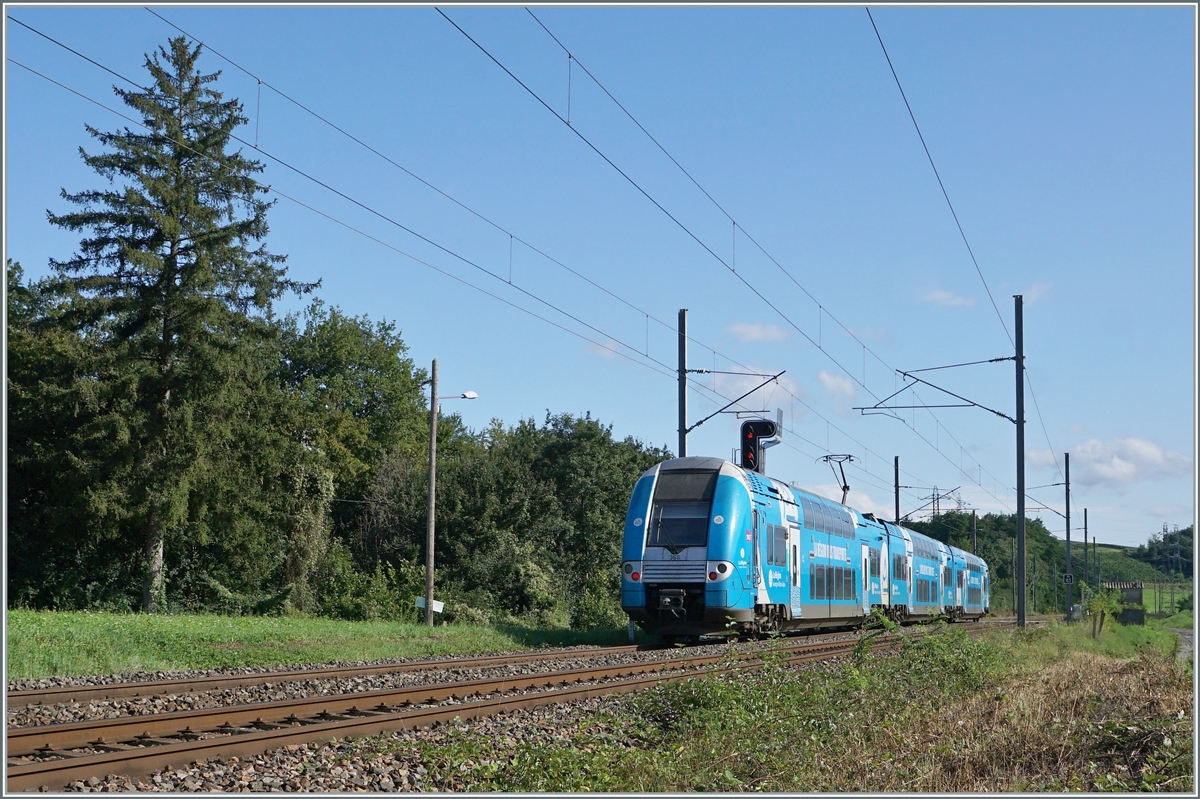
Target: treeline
<point>1169,552</point>
<point>173,443</point>
<point>307,483</point>
<point>1045,558</point>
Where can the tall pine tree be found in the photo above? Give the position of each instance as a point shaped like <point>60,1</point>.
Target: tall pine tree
<point>175,284</point>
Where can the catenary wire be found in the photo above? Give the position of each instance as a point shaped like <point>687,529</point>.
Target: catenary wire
<point>723,211</point>
<point>373,211</point>
<point>426,183</point>
<point>953,213</point>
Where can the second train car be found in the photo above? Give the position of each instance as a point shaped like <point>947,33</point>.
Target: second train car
<point>711,548</point>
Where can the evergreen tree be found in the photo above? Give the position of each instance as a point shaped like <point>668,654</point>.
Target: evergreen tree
<point>172,282</point>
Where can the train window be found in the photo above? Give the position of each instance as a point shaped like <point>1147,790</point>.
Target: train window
<point>851,585</point>
<point>874,560</point>
<point>795,567</point>
<point>806,506</point>
<point>685,486</point>
<point>780,538</point>
<point>820,583</point>
<point>676,525</point>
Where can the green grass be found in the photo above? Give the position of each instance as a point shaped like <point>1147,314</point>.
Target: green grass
<point>1183,620</point>
<point>1044,709</point>
<point>1115,640</point>
<point>44,643</point>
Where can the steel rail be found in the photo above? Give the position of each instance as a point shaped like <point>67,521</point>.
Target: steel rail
<point>237,740</point>
<point>190,685</point>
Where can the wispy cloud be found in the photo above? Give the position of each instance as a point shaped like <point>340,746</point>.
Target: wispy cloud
<point>757,331</point>
<point>605,349</point>
<point>840,389</point>
<point>770,396</point>
<point>948,298</point>
<point>1118,463</point>
<point>1038,291</point>
<point>1170,513</point>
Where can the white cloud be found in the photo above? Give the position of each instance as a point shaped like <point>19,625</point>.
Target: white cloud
<point>757,331</point>
<point>838,386</point>
<point>1170,512</point>
<point>767,398</point>
<point>840,389</point>
<point>1038,291</point>
<point>605,349</point>
<point>1118,463</point>
<point>943,297</point>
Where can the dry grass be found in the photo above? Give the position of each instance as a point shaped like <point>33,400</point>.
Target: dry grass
<point>1020,713</point>
<point>1085,722</point>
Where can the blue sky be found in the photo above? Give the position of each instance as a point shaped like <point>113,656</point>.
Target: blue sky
<point>1064,137</point>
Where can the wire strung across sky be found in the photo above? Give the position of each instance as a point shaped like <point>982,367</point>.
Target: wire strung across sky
<point>511,235</point>
<point>665,369</point>
<point>821,308</point>
<point>950,205</point>
<point>655,365</point>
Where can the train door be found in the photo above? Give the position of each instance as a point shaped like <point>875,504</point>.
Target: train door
<point>959,595</point>
<point>796,597</point>
<point>866,579</point>
<point>761,597</point>
<point>908,572</point>
<point>885,566</point>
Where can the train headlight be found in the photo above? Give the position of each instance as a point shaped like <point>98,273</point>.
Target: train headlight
<point>718,570</point>
<point>632,570</point>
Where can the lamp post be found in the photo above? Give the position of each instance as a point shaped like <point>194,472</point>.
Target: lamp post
<point>433,414</point>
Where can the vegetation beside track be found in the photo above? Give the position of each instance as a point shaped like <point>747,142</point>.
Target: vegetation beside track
<point>1036,710</point>
<point>44,644</point>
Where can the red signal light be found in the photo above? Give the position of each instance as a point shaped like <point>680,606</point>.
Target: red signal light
<point>635,576</point>
<point>712,576</point>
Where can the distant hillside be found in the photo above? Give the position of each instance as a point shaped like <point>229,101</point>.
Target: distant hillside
<point>1116,564</point>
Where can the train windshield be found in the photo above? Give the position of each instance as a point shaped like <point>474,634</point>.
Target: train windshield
<point>682,500</point>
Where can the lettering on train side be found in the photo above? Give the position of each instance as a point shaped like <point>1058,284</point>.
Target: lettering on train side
<point>827,551</point>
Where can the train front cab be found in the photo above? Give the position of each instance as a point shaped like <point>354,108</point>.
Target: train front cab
<point>687,553</point>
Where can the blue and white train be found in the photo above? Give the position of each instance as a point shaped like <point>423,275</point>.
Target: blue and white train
<point>711,548</point>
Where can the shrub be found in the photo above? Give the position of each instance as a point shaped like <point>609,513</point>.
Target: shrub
<point>387,594</point>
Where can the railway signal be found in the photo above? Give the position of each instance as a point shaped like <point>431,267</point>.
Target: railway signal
<point>753,432</point>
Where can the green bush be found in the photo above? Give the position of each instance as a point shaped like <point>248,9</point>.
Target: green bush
<point>598,606</point>
<point>386,594</point>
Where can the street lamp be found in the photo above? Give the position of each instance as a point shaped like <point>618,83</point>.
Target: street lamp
<point>433,412</point>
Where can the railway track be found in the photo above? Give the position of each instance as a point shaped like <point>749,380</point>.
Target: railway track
<point>188,685</point>
<point>53,756</point>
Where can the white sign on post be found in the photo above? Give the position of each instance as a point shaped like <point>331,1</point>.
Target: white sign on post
<point>437,606</point>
